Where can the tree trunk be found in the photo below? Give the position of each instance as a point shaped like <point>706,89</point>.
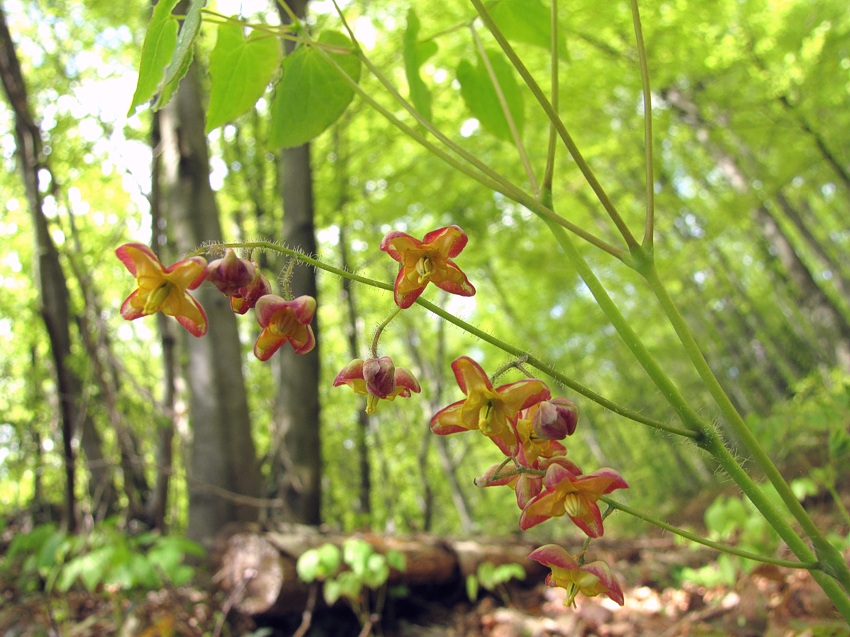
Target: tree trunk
<point>258,568</point>
<point>296,455</point>
<point>223,470</point>
<point>53,299</point>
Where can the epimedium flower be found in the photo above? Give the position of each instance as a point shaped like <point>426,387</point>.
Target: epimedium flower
<point>555,419</point>
<point>526,484</point>
<point>531,446</point>
<point>565,491</point>
<point>429,260</point>
<point>590,579</point>
<point>284,321</point>
<point>231,273</point>
<point>378,379</point>
<point>491,410</point>
<point>247,296</point>
<point>162,289</point>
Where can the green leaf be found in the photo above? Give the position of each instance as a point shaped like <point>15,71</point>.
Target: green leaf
<point>356,553</point>
<point>524,21</point>
<point>329,559</point>
<point>481,98</point>
<point>376,572</point>
<point>471,587</point>
<point>157,49</point>
<point>307,565</point>
<point>415,53</point>
<point>183,53</point>
<point>332,591</point>
<point>312,94</point>
<point>397,560</point>
<point>240,70</point>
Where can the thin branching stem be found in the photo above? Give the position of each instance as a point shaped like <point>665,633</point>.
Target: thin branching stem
<point>506,111</point>
<point>649,223</point>
<point>556,121</point>
<point>693,537</point>
<point>517,352</point>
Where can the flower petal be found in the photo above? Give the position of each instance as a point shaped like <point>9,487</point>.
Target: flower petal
<point>452,279</point>
<point>449,241</point>
<point>448,420</point>
<point>470,375</point>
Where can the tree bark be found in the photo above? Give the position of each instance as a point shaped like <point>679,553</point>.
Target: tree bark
<point>74,416</point>
<point>296,455</point>
<point>223,469</point>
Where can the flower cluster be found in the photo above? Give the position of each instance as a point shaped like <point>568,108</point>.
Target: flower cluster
<point>521,418</point>
<point>422,262</point>
<point>527,424</point>
<point>166,290</point>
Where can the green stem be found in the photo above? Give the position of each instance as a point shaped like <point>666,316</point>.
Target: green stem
<point>830,556</point>
<point>649,223</point>
<point>380,330</point>
<point>533,361</point>
<point>693,537</point>
<point>565,136</point>
<point>549,172</point>
<point>465,162</point>
<point>506,111</point>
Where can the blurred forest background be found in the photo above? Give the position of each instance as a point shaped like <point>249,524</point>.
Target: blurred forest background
<point>156,430</point>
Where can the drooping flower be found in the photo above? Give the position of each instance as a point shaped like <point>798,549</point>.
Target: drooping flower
<point>555,419</point>
<point>429,260</point>
<point>565,491</point>
<point>491,410</point>
<point>590,579</point>
<point>531,447</point>
<point>230,273</point>
<point>246,297</point>
<point>378,379</point>
<point>284,321</point>
<point>164,289</point>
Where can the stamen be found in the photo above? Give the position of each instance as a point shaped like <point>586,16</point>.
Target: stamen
<point>424,268</point>
<point>157,297</point>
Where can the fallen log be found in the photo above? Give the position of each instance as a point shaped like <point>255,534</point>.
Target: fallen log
<point>256,567</point>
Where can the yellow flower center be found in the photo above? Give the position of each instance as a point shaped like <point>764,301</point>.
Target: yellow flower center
<point>572,590</point>
<point>424,268</point>
<point>283,323</point>
<point>574,504</point>
<point>371,404</point>
<point>158,296</point>
<point>484,417</point>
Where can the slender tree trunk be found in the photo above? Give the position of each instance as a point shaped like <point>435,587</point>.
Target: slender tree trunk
<point>297,458</point>
<point>157,507</point>
<point>223,472</point>
<point>74,416</point>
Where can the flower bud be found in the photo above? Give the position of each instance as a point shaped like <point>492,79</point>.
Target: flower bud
<point>247,296</point>
<point>230,273</point>
<point>379,374</point>
<point>555,419</point>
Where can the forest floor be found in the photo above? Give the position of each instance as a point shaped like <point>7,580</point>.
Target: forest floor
<point>767,601</point>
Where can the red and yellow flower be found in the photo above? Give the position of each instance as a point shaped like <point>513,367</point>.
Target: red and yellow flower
<point>378,379</point>
<point>429,260</point>
<point>284,321</point>
<point>493,411</point>
<point>163,289</point>
<point>565,491</point>
<point>590,579</point>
